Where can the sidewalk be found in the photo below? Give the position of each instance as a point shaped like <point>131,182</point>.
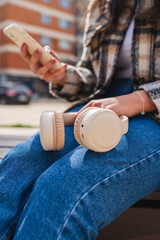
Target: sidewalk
<point>9,131</point>
<point>27,115</point>
<point>24,115</point>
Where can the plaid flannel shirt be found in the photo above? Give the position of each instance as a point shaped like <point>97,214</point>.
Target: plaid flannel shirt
<point>101,47</point>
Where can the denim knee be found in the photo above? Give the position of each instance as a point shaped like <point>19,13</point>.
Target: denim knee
<point>62,204</point>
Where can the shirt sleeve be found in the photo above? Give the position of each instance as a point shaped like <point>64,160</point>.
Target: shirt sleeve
<point>153,89</point>
<point>80,79</point>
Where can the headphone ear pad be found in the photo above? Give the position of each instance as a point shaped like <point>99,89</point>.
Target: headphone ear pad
<point>77,123</point>
<point>52,130</point>
<point>60,133</point>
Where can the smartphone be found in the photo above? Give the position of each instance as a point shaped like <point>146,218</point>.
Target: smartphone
<point>19,36</point>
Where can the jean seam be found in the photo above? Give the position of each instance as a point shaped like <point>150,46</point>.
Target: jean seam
<point>95,185</point>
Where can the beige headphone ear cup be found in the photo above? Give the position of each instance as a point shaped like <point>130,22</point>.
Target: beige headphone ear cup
<point>77,125</point>
<point>60,134</point>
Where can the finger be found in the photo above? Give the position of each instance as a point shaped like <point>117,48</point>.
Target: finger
<point>103,105</point>
<point>93,103</point>
<point>51,79</point>
<point>46,68</point>
<point>34,60</point>
<point>117,110</point>
<point>49,76</point>
<point>86,106</point>
<point>61,70</point>
<point>49,50</point>
<point>97,103</point>
<point>24,53</point>
<point>33,69</point>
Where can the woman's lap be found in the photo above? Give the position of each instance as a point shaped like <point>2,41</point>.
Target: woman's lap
<point>19,170</point>
<point>110,182</point>
<point>84,191</point>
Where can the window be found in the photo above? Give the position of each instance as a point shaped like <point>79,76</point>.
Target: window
<point>64,24</point>
<point>45,40</point>
<point>45,19</point>
<point>65,45</point>
<point>65,4</point>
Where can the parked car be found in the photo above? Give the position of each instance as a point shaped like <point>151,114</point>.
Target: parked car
<point>11,93</point>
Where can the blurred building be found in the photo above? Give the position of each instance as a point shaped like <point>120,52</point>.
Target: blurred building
<point>50,22</point>
<point>80,10</point>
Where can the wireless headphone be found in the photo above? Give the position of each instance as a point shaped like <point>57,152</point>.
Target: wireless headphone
<point>97,129</point>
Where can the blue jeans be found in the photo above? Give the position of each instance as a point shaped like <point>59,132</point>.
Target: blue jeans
<point>73,193</point>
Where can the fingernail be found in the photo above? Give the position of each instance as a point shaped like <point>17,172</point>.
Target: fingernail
<point>53,61</point>
<point>24,45</point>
<point>38,51</point>
<point>65,66</point>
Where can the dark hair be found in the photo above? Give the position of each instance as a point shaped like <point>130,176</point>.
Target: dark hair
<point>116,8</point>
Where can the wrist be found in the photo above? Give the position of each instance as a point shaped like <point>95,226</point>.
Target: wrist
<point>139,94</point>
<point>60,83</point>
<point>144,102</point>
<point>149,104</point>
<point>137,103</point>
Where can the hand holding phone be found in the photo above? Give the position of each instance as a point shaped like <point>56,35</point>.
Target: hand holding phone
<point>19,36</point>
